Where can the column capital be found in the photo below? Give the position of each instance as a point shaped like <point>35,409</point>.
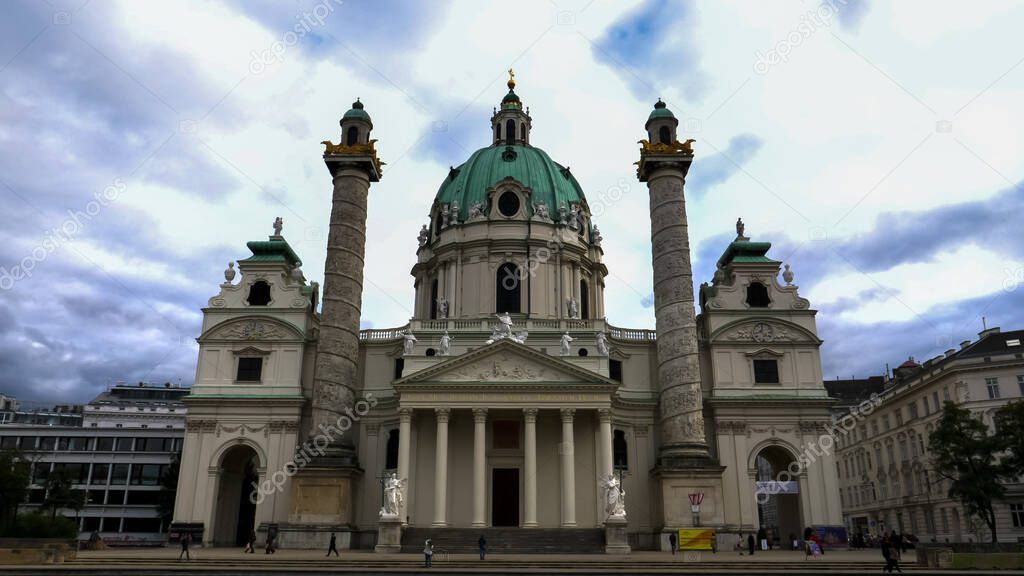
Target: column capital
<point>604,414</point>
<point>442,414</point>
<point>372,428</point>
<point>405,414</point>
<point>567,414</point>
<point>530,414</point>
<point>480,415</point>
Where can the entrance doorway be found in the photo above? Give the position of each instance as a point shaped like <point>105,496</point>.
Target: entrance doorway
<point>778,503</point>
<point>505,497</point>
<point>236,509</point>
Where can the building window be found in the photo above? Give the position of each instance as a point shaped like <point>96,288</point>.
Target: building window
<point>878,457</point>
<point>584,300</point>
<point>899,416</point>
<point>992,385</point>
<point>874,427</point>
<point>1017,515</point>
<point>352,136</point>
<point>259,294</point>
<point>508,281</point>
<point>766,372</point>
<point>522,131</point>
<point>510,131</point>
<point>250,369</point>
<point>665,135</point>
<point>1020,384</point>
<point>615,370</point>
<point>935,402</point>
<point>508,204</point>
<point>913,410</point>
<point>391,452</point>
<point>757,295</point>
<point>433,299</point>
<point>945,394</point>
<point>944,514</point>
<point>620,454</point>
<point>891,453</point>
<point>886,423</point>
<point>399,367</point>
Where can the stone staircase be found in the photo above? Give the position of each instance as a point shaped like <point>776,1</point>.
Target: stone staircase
<point>506,540</point>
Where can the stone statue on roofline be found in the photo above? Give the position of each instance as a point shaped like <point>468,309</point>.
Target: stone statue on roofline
<point>566,344</point>
<point>446,344</point>
<point>424,236</point>
<point>278,226</point>
<point>408,343</point>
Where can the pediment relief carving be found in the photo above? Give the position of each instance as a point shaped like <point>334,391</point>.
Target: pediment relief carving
<point>505,367</point>
<point>252,329</point>
<point>763,332</point>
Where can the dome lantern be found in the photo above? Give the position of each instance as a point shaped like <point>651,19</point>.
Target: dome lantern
<point>510,124</point>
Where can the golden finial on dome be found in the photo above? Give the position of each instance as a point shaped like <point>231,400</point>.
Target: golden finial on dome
<point>511,79</point>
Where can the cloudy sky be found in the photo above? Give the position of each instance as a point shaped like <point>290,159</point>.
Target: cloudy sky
<point>876,145</point>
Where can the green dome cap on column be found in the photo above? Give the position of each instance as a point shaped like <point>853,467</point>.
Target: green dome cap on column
<point>357,112</point>
<point>660,111</point>
<point>549,181</point>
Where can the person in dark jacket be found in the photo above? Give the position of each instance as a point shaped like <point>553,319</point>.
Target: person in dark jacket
<point>482,544</point>
<point>186,539</point>
<point>750,544</point>
<point>333,546</point>
<point>890,556</point>
<point>673,542</point>
<point>250,544</point>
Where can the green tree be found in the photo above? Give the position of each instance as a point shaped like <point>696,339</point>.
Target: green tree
<point>1010,424</point>
<point>965,453</point>
<point>61,495</point>
<point>15,476</point>
<point>169,490</point>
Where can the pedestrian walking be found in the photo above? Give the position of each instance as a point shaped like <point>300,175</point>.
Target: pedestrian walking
<point>750,543</point>
<point>890,556</point>
<point>186,540</point>
<point>428,553</point>
<point>673,542</point>
<point>250,544</point>
<point>482,544</point>
<point>739,545</point>
<point>333,546</point>
<point>271,536</point>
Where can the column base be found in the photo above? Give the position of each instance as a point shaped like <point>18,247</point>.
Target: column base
<point>323,496</point>
<point>530,525</point>
<point>615,538</point>
<point>677,484</point>
<point>389,536</point>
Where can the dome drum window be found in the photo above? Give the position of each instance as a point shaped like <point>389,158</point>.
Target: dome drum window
<point>509,204</point>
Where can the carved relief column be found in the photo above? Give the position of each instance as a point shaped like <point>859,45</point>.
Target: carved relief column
<point>530,468</point>
<point>663,166</point>
<point>567,450</point>
<point>404,439</point>
<point>479,466</point>
<point>441,468</point>
<point>605,433</point>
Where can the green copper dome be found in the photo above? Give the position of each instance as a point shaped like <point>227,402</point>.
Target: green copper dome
<point>660,111</point>
<point>549,181</point>
<point>356,112</point>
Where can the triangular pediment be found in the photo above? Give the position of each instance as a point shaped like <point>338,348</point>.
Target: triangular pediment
<point>506,362</point>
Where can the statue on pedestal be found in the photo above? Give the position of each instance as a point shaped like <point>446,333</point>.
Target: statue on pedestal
<point>424,236</point>
<point>229,273</point>
<point>409,344</point>
<point>567,344</point>
<point>573,308</point>
<point>614,498</point>
<point>278,226</point>
<point>446,344</point>
<point>394,496</point>
<point>602,343</point>
<point>442,308</point>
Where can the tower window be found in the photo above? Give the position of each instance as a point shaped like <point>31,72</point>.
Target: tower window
<point>352,136</point>
<point>259,294</point>
<point>510,131</point>
<point>766,372</point>
<point>497,132</point>
<point>620,451</point>
<point>508,282</point>
<point>584,300</point>
<point>249,370</point>
<point>508,204</point>
<point>757,295</point>
<point>665,135</point>
<point>391,453</point>
<point>522,131</point>
<point>433,299</point>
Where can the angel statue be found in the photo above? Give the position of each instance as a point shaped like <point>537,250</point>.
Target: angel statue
<point>446,344</point>
<point>602,343</point>
<point>408,344</point>
<point>614,497</point>
<point>278,226</point>
<point>394,496</point>
<point>573,307</point>
<point>566,344</point>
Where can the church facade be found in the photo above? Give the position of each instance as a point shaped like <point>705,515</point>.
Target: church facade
<point>508,400</point>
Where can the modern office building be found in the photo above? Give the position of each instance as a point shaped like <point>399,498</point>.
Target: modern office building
<point>116,448</point>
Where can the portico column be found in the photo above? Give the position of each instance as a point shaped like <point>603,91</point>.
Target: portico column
<point>404,439</point>
<point>607,464</point>
<point>441,468</point>
<point>530,467</point>
<point>568,470</point>
<point>479,465</point>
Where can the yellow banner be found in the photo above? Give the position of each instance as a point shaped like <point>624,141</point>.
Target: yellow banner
<point>696,538</point>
